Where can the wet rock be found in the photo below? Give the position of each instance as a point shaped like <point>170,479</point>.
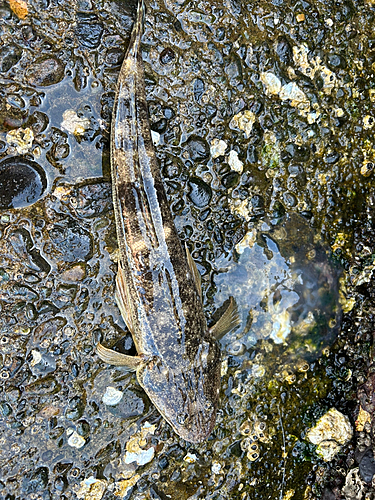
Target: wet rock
<point>284,50</point>
<point>42,364</point>
<point>243,121</point>
<point>38,122</point>
<point>25,292</point>
<point>45,71</point>
<point>75,273</point>
<point>200,192</point>
<point>21,139</point>
<point>9,56</point>
<point>89,31</point>
<point>35,481</point>
<point>92,489</point>
<point>48,329</point>
<point>128,404</point>
<point>72,241</point>
<point>75,409</point>
<point>197,148</point>
<point>231,180</point>
<point>93,199</point>
<point>167,56</point>
<point>330,432</point>
<point>336,61</point>
<point>366,394</point>
<point>367,466</point>
<point>198,89</point>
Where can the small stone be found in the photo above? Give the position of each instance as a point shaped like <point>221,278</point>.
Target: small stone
<point>367,466</point>
<point>332,430</point>
<point>243,121</point>
<point>75,440</point>
<point>300,17</point>
<point>368,122</point>
<point>197,148</point>
<point>74,124</point>
<point>19,7</point>
<point>21,139</point>
<point>234,162</point>
<point>9,56</point>
<point>89,30</point>
<point>75,273</point>
<point>271,82</point>
<point>112,396</point>
<point>135,447</point>
<point>218,148</point>
<point>292,92</point>
<point>155,136</point>
<point>91,489</point>
<point>190,458</point>
<point>37,357</point>
<point>200,192</point>
<point>45,71</point>
<point>167,56</point>
<point>216,468</point>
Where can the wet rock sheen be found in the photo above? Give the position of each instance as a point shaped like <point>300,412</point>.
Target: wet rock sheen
<point>22,182</point>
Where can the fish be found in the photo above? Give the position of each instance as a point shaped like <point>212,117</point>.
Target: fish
<point>158,286</point>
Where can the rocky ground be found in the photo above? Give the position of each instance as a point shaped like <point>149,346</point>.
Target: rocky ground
<point>262,115</point>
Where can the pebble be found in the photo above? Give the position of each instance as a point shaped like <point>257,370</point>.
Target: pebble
<point>91,489</point>
<point>167,56</point>
<point>74,124</point>
<point>22,182</point>
<point>218,148</point>
<point>135,451</point>
<point>243,121</point>
<point>271,82</point>
<point>197,148</point>
<point>200,192</point>
<point>75,440</point>
<point>367,466</point>
<point>45,71</point>
<point>89,31</point>
<point>234,162</point>
<point>9,56</point>
<point>112,396</point>
<point>21,139</point>
<point>330,432</point>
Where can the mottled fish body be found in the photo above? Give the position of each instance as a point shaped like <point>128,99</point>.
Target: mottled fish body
<point>158,285</point>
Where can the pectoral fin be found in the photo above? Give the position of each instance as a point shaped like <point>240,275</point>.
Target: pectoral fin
<point>229,320</point>
<point>194,271</point>
<point>123,299</point>
<point>117,358</point>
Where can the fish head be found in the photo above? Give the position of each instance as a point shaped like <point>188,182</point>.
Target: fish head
<point>185,393</point>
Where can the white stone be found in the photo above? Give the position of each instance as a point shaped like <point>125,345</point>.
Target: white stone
<point>234,162</point>
<point>218,147</point>
<point>141,457</point>
<point>75,440</point>
<point>243,121</point>
<point>73,123</point>
<point>155,136</point>
<point>271,82</point>
<point>331,431</point>
<point>112,396</point>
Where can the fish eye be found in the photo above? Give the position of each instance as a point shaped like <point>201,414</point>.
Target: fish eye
<point>208,405</point>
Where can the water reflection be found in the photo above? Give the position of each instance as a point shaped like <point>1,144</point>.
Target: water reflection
<point>286,288</point>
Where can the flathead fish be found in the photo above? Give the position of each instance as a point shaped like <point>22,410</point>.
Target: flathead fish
<point>158,287</point>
